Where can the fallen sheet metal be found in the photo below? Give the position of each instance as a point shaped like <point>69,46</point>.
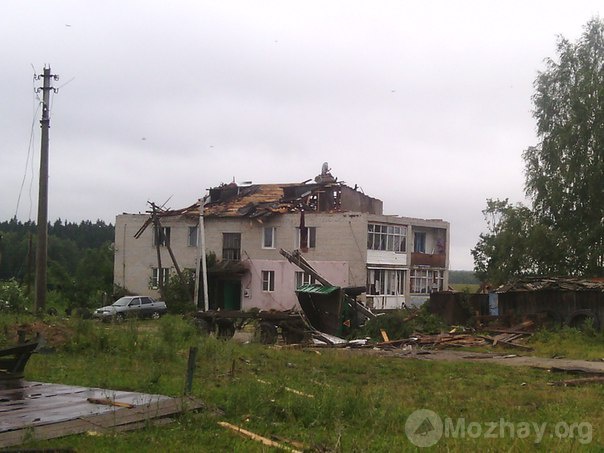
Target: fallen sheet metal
<point>37,411</point>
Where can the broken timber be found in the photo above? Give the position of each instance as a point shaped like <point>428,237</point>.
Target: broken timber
<point>257,438</point>
<point>39,411</point>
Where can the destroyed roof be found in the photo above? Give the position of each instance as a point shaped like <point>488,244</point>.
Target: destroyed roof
<point>551,284</point>
<point>252,201</point>
<point>263,200</point>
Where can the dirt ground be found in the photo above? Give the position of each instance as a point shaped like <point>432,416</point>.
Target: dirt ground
<point>561,364</point>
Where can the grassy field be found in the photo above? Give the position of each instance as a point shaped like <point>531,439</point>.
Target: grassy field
<point>465,287</point>
<point>327,400</point>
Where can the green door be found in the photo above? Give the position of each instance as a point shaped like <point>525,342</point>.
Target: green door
<point>232,295</point>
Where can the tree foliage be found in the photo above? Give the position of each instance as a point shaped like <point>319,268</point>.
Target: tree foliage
<point>563,231</point>
<point>516,245</point>
<point>80,259</point>
<point>178,293</point>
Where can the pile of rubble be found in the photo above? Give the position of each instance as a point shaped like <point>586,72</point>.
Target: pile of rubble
<point>458,337</point>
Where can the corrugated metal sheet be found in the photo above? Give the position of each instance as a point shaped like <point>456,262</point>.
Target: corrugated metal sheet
<point>317,289</point>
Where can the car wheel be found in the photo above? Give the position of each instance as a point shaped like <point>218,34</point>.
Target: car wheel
<point>155,315</point>
<point>119,317</point>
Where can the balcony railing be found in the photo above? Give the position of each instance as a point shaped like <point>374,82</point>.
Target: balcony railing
<point>426,259</point>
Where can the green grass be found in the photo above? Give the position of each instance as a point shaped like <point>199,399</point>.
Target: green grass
<point>361,399</point>
<point>570,343</point>
<point>465,287</point>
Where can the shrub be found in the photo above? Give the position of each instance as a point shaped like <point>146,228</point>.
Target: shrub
<point>400,324</point>
<point>178,293</point>
<point>392,322</point>
<point>13,297</point>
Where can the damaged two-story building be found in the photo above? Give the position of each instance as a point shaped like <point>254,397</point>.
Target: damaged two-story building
<point>341,232</point>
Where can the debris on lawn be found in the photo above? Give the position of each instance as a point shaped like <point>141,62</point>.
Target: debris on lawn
<point>258,438</point>
<point>577,382</point>
<point>457,337</point>
<point>289,389</point>
<point>108,402</point>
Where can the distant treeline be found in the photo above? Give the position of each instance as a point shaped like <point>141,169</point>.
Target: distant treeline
<point>463,277</point>
<point>80,258</point>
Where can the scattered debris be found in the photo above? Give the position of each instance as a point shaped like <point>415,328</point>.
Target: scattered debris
<point>574,370</point>
<point>13,360</point>
<point>577,382</point>
<point>384,335</point>
<point>258,438</point>
<point>108,402</point>
<point>289,389</point>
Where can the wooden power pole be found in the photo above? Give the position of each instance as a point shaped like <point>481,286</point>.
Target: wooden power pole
<point>42,239</point>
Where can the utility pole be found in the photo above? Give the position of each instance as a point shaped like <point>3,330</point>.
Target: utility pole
<point>201,259</point>
<point>42,240</point>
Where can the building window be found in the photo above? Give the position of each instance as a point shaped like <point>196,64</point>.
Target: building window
<point>268,281</point>
<point>419,242</point>
<point>193,235</point>
<point>231,246</point>
<point>268,238</point>
<point>391,238</point>
<point>161,236</point>
<point>159,275</point>
<point>304,278</point>
<point>306,238</point>
<point>425,281</point>
<point>385,282</point>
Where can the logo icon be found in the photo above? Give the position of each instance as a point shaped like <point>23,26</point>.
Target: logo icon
<point>424,428</point>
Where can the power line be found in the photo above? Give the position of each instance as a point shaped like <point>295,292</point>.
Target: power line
<point>30,153</point>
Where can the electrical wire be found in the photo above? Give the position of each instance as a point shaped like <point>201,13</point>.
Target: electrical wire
<point>30,153</point>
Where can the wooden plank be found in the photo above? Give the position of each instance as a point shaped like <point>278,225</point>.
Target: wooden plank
<point>257,438</point>
<point>106,421</point>
<point>47,411</point>
<point>384,335</point>
<point>63,407</point>
<point>108,402</point>
<point>507,343</point>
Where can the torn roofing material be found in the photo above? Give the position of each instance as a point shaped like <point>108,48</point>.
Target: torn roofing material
<point>264,200</point>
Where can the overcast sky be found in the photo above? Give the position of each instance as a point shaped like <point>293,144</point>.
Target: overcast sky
<point>424,105</point>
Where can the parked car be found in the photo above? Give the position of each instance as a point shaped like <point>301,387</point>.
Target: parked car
<point>131,306</point>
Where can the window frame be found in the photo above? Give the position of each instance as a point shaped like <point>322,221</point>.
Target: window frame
<point>311,238</point>
<point>268,281</point>
<point>391,282</point>
<point>422,241</point>
<point>387,238</point>
<point>161,236</point>
<point>155,272</point>
<point>272,244</point>
<point>193,236</point>
<point>302,278</point>
<point>231,253</point>
<point>422,281</point>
